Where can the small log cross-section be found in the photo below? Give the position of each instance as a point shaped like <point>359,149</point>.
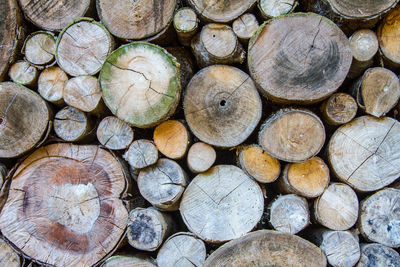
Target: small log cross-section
<point>289,214</point>
<point>292,135</point>
<point>24,119</point>
<point>377,91</point>
<point>308,179</point>
<point>40,48</point>
<point>51,84</point>
<point>83,92</point>
<point>182,249</point>
<point>114,133</point>
<point>258,164</point>
<point>83,46</point>
<point>379,219</point>
<point>162,184</point>
<point>23,73</point>
<point>8,257</point>
<point>185,24</point>
<point>222,106</point>
<point>210,205</point>
<point>140,84</point>
<point>337,207</point>
<point>267,248</point>
<point>141,154</point>
<point>217,44</point>
<point>135,20</point>
<point>136,260</point>
<point>72,125</point>
<point>220,10</point>
<point>365,152</point>
<point>275,8</point>
<point>387,33</point>
<point>148,228</point>
<point>374,254</point>
<point>172,139</point>
<point>339,108</point>
<point>200,157</point>
<point>53,15</point>
<point>64,201</point>
<point>245,26</point>
<point>300,58</point>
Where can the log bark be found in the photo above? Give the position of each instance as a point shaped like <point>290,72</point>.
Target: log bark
<point>351,15</point>
<point>51,84</point>
<point>83,46</point>
<point>135,20</point>
<point>23,73</point>
<point>210,209</point>
<point>186,25</point>
<point>11,34</point>
<point>377,91</point>
<point>136,260</point>
<point>83,92</point>
<point>114,133</point>
<point>64,201</point>
<point>292,135</point>
<point>141,154</point>
<point>187,64</point>
<point>245,26</point>
<point>378,220</point>
<point>72,125</point>
<point>340,247</point>
<point>339,108</point>
<point>162,184</point>
<point>140,84</point>
<point>24,119</point>
<point>271,9</point>
<point>214,102</point>
<point>258,164</point>
<point>306,52</point>
<point>172,139</point>
<point>337,207</point>
<point>308,179</point>
<point>217,44</point>
<point>364,46</point>
<point>388,42</point>
<point>40,48</point>
<point>221,11</point>
<point>53,15</point>
<point>182,249</point>
<point>267,248</point>
<point>374,254</point>
<point>148,228</point>
<point>200,157</point>
<point>8,257</point>
<point>364,153</point>
<point>289,214</point>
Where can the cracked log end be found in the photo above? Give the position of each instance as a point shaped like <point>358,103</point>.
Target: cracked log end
<point>365,153</point>
<point>24,118</point>
<point>24,73</point>
<point>300,58</point>
<point>182,249</point>
<point>222,204</point>
<point>267,248</point>
<point>339,108</point>
<point>40,48</point>
<point>245,26</point>
<point>141,154</point>
<point>214,105</point>
<point>162,184</point>
<point>64,205</point>
<point>388,33</point>
<point>51,84</point>
<point>72,125</point>
<point>374,254</point>
<point>172,139</point>
<point>292,135</point>
<point>186,24</point>
<point>83,46</point>
<point>114,133</point>
<point>140,84</point>
<point>271,9</point>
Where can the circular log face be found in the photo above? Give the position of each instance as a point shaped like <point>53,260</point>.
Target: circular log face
<point>275,8</point>
<point>140,84</point>
<point>128,261</point>
<point>379,217</point>
<point>300,58</point>
<point>365,152</point>
<point>185,20</point>
<point>83,92</point>
<point>8,257</point>
<point>378,255</point>
<point>53,15</point>
<point>64,205</point>
<point>340,108</point>
<point>341,248</point>
<point>267,248</point>
<point>364,44</point>
<point>221,10</point>
<point>135,20</point>
<point>358,9</point>
<point>222,106</point>
<point>24,118</point>
<point>219,40</point>
<point>40,48</point>
<point>23,73</point>
<point>387,33</point>
<point>222,204</point>
<point>245,26</point>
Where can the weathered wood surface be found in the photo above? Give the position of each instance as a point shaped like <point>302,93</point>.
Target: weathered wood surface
<point>374,254</point>
<point>72,125</point>
<point>51,84</point>
<point>141,154</point>
<point>40,48</point>
<point>275,8</point>
<point>8,257</point>
<point>200,157</point>
<point>186,25</point>
<point>22,72</point>
<point>339,108</point>
<point>114,133</point>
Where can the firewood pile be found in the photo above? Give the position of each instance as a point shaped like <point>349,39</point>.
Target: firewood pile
<point>199,133</point>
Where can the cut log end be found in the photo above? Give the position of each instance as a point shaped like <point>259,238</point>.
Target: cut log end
<point>200,157</point>
<point>23,73</point>
<point>245,26</point>
<point>8,257</point>
<point>72,125</point>
<point>51,85</point>
<point>186,24</point>
<point>141,154</point>
<point>374,254</point>
<point>364,45</point>
<point>387,32</point>
<point>172,139</point>
<point>340,108</point>
<point>114,133</point>
<point>129,260</point>
<point>271,9</point>
<point>40,48</point>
